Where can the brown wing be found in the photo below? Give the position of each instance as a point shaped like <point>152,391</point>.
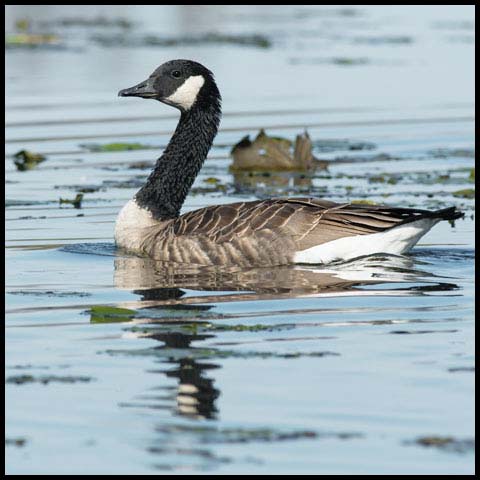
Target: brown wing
<point>270,232</point>
<point>307,221</point>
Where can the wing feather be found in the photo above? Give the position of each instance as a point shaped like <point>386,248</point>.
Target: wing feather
<point>307,221</point>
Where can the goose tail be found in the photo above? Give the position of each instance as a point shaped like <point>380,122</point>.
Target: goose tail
<point>449,213</point>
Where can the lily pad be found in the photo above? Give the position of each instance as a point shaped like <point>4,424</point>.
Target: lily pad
<point>212,180</point>
<point>103,314</point>
<point>114,147</point>
<point>15,40</point>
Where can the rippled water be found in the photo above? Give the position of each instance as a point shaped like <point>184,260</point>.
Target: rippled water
<point>357,368</point>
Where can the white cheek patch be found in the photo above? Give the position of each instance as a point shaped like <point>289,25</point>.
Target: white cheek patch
<point>186,94</point>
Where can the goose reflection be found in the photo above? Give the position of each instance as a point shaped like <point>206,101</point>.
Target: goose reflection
<point>195,393</point>
<point>160,283</point>
<point>180,310</point>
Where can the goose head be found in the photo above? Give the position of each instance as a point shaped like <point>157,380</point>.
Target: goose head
<point>179,83</point>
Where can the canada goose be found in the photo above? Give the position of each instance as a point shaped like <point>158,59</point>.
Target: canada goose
<point>259,233</point>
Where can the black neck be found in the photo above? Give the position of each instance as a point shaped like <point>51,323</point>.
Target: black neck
<point>175,171</point>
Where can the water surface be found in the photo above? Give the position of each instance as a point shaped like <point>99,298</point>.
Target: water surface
<point>358,368</point>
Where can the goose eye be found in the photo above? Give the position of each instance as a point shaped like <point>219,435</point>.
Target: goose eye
<point>176,73</point>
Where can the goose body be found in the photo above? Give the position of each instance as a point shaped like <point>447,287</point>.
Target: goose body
<point>259,233</point>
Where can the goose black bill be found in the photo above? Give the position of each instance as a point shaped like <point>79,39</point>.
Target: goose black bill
<point>144,90</point>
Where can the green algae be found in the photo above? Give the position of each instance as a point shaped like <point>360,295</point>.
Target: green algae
<point>465,193</point>
<point>104,314</point>
<point>114,147</point>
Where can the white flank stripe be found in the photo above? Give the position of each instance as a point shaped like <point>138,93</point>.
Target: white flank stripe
<point>395,241</point>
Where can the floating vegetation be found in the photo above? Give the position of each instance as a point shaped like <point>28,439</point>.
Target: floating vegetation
<point>76,202</point>
<point>206,458</point>
<point>31,40</point>
<point>255,40</point>
<point>26,160</point>
<point>465,193</point>
<point>24,203</point>
<point>379,157</point>
<point>176,354</point>
<point>103,314</point>
<point>268,153</point>
<point>275,183</point>
<point>452,152</point>
<point>449,444</point>
<point>141,165</point>
<point>46,379</point>
<point>15,442</point>
<point>114,147</point>
<point>384,40</point>
<point>420,332</point>
<point>96,22</point>
<point>134,182</point>
<point>23,25</point>
<point>331,145</point>
<point>383,179</point>
<point>213,185</point>
<point>363,201</point>
<point>328,12</point>
<point>49,293</point>
<point>461,369</point>
<point>80,188</point>
<point>341,61</point>
<point>28,367</point>
<point>210,188</point>
<point>211,434</point>
<point>212,180</point>
<point>457,176</point>
<point>200,327</point>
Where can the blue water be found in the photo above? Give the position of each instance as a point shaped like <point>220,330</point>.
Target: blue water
<point>344,369</point>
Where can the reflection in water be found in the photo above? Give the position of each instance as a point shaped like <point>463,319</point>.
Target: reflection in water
<point>179,319</point>
<point>273,183</point>
<point>177,313</point>
<point>196,394</point>
<point>165,283</point>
